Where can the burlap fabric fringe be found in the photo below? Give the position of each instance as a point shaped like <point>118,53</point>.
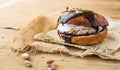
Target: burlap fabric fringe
<point>24,42</point>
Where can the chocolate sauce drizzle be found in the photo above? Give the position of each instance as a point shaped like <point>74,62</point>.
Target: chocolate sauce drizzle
<point>66,37</point>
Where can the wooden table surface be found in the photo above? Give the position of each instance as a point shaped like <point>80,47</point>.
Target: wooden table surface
<point>18,13</point>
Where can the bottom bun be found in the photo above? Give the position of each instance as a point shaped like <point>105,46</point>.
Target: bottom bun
<point>88,40</point>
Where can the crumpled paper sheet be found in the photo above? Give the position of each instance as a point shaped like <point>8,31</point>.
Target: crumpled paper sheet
<point>24,38</point>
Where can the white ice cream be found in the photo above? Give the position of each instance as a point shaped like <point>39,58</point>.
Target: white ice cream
<point>70,28</point>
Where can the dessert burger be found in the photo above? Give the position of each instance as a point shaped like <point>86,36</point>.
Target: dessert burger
<point>82,27</point>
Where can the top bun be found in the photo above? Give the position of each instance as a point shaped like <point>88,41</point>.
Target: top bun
<point>83,17</point>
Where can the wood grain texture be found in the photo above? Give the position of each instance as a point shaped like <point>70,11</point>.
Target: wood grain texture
<point>23,11</point>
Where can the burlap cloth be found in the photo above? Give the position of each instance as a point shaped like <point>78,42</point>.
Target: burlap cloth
<point>25,40</point>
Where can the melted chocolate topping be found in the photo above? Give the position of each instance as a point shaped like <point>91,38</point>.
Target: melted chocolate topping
<point>90,16</point>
